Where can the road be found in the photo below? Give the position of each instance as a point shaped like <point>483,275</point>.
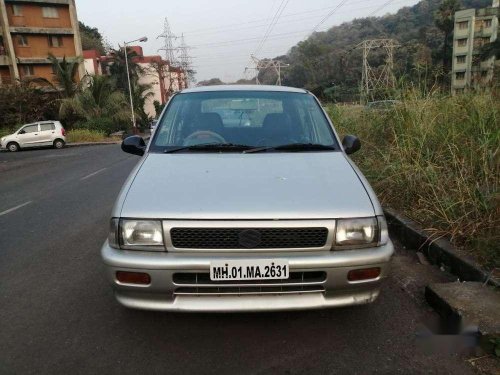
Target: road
<point>58,315</point>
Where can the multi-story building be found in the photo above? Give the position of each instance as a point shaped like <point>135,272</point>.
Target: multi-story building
<point>30,30</point>
<point>473,29</point>
<point>163,78</point>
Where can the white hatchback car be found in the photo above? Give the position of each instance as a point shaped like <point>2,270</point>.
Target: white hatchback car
<point>38,134</point>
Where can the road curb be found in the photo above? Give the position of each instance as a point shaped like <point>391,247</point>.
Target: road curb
<point>439,252</point>
<point>84,144</point>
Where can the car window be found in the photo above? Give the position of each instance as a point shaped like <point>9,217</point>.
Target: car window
<point>47,127</point>
<point>250,118</point>
<point>31,129</point>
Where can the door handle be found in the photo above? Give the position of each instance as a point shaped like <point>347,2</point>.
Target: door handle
<point>36,133</point>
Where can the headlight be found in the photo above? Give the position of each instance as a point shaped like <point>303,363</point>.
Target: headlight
<point>359,233</point>
<point>136,235</point>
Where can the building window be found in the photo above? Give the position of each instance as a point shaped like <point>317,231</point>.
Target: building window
<point>484,73</point>
<point>22,40</point>
<point>55,41</point>
<point>460,76</point>
<point>17,10</point>
<point>461,59</point>
<point>50,12</point>
<point>28,70</point>
<point>485,40</point>
<point>487,23</point>
<point>463,25</point>
<point>462,42</point>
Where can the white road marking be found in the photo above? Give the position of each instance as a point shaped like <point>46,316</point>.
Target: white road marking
<point>14,208</point>
<point>93,174</point>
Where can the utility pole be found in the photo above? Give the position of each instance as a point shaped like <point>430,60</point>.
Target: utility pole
<point>382,77</point>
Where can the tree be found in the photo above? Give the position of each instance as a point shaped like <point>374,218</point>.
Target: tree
<point>92,39</point>
<point>98,106</point>
<point>490,50</point>
<point>211,82</point>
<point>140,94</point>
<point>65,74</point>
<point>445,21</point>
<point>118,68</point>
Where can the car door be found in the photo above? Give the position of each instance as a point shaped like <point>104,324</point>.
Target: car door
<point>28,135</point>
<point>47,131</point>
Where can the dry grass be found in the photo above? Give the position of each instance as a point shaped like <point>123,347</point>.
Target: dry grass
<point>85,135</point>
<point>436,160</point>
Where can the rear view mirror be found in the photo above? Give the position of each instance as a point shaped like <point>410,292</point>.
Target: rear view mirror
<point>134,145</point>
<point>351,144</point>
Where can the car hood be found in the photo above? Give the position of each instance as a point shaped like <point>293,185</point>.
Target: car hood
<point>313,185</point>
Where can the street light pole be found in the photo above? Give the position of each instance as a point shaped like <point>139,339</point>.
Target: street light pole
<point>134,125</point>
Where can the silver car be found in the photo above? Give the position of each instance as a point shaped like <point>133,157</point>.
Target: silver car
<point>38,134</point>
<point>266,213</point>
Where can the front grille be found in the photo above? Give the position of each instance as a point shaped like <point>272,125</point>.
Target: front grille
<point>200,284</point>
<point>248,238</point>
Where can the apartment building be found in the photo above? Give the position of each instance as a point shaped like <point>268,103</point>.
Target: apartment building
<point>163,78</point>
<point>473,29</point>
<point>30,30</point>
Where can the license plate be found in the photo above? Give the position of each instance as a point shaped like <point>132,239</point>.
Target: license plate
<point>273,269</point>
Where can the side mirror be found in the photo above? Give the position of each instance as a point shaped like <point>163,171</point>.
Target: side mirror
<point>21,132</point>
<point>134,145</point>
<point>351,144</point>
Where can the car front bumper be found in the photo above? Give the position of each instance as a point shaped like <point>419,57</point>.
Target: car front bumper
<point>162,293</point>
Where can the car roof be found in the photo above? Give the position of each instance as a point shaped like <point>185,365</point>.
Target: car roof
<point>244,88</point>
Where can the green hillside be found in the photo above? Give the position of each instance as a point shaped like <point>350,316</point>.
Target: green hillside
<point>328,64</point>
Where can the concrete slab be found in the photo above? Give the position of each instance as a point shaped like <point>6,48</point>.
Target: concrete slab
<point>468,303</point>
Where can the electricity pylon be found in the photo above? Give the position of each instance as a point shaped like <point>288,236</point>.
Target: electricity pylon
<point>185,60</point>
<point>382,78</point>
<point>168,44</point>
<point>261,64</point>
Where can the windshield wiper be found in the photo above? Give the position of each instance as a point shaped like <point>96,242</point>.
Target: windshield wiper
<point>292,147</point>
<point>210,147</point>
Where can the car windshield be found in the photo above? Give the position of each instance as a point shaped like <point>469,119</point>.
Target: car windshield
<point>241,120</point>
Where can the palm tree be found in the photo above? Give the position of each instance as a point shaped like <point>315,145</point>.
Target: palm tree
<point>118,68</point>
<point>65,72</point>
<point>140,94</point>
<point>99,103</point>
<point>445,21</point>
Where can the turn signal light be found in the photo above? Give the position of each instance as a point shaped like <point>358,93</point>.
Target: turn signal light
<point>133,278</point>
<point>363,274</point>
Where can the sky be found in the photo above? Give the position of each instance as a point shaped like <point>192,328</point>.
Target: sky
<point>223,34</point>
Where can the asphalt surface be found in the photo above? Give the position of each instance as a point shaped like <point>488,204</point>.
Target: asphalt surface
<point>58,315</point>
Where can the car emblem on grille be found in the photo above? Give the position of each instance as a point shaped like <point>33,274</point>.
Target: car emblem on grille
<point>249,238</point>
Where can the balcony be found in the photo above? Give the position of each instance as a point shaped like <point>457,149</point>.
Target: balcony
<point>41,30</point>
<point>65,2</point>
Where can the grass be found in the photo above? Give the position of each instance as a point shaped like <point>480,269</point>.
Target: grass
<point>85,135</point>
<point>436,159</point>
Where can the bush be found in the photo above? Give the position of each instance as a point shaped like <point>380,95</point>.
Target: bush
<point>102,124</point>
<point>85,135</point>
<point>437,160</point>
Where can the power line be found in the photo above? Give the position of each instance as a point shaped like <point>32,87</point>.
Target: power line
<point>265,21</point>
<point>328,15</point>
<point>277,16</point>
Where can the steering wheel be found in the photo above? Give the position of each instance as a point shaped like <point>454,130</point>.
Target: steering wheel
<point>202,137</point>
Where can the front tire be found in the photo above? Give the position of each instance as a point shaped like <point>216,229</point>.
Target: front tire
<point>13,147</point>
<point>58,144</point>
